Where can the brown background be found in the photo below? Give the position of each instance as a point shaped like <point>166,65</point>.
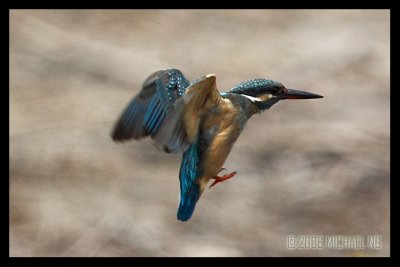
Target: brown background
<point>317,167</point>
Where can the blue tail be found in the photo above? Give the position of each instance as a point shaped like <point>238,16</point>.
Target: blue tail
<point>190,190</point>
<point>188,202</point>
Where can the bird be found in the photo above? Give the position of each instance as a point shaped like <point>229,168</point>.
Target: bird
<point>195,119</point>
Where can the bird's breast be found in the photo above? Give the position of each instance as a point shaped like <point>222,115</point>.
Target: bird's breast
<point>219,130</point>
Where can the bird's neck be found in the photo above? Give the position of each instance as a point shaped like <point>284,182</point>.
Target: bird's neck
<point>245,103</point>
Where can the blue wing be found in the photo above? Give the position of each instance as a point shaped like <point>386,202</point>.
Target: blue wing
<point>146,112</point>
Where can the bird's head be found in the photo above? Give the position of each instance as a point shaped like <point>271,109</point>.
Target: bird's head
<point>265,93</point>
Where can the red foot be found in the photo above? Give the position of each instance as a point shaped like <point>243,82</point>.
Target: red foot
<point>219,179</point>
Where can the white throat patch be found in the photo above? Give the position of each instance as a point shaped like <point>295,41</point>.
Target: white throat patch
<point>252,98</point>
<point>258,99</point>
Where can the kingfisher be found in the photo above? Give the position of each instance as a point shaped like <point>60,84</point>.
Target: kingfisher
<point>195,119</point>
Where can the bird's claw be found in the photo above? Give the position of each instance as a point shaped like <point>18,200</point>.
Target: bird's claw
<point>220,179</point>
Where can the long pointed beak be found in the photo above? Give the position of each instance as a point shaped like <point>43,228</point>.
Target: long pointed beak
<point>297,94</point>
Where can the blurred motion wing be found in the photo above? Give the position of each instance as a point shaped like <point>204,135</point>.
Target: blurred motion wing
<point>147,111</point>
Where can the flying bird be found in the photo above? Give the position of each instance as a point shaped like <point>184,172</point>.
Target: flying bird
<point>195,119</point>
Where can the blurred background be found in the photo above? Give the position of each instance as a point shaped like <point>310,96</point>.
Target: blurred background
<point>318,167</point>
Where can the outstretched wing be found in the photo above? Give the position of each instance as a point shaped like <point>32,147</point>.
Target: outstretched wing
<point>146,112</point>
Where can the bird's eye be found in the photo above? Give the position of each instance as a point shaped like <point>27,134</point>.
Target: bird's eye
<point>281,91</point>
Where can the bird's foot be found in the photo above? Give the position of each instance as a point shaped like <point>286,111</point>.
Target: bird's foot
<point>220,179</point>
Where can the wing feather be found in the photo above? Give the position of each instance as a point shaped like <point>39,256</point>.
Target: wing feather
<point>146,112</point>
